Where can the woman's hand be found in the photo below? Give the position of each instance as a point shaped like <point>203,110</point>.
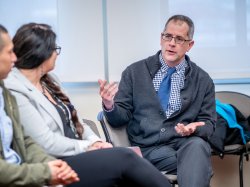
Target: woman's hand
<point>62,173</point>
<point>100,145</point>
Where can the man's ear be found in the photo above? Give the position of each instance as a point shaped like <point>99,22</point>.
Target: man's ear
<point>190,45</point>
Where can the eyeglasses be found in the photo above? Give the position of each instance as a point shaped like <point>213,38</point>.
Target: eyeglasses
<point>177,39</point>
<point>58,50</point>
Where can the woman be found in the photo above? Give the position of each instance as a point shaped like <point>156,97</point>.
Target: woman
<point>50,118</point>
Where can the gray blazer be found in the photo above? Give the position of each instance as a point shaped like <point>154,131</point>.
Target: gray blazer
<point>42,121</point>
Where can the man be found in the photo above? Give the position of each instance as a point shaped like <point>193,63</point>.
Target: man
<point>22,162</point>
<point>168,103</point>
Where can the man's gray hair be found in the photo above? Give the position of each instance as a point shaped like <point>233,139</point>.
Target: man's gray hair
<point>184,19</point>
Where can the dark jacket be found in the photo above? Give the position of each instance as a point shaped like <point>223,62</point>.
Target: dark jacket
<point>33,170</point>
<point>137,104</point>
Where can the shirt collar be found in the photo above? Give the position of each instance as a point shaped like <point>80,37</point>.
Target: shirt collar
<point>179,67</point>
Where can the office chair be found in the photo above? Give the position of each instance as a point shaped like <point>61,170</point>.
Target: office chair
<point>242,103</point>
<point>92,125</point>
<point>118,138</point>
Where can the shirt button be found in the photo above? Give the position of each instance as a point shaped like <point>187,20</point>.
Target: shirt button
<point>163,129</point>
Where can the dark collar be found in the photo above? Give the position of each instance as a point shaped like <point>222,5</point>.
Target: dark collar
<point>153,64</point>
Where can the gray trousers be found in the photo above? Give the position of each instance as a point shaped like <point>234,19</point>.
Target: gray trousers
<point>188,157</point>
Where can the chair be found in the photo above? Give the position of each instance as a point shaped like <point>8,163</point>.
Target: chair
<point>92,125</point>
<point>118,138</point>
<point>242,103</point>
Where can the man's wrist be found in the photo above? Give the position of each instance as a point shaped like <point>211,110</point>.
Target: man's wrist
<point>109,108</point>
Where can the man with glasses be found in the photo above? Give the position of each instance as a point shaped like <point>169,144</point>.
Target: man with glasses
<point>168,103</point>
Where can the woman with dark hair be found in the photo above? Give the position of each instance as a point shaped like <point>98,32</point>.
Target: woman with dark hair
<point>41,99</point>
<point>49,117</point>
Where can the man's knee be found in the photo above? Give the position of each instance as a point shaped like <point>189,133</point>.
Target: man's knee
<point>164,158</point>
<point>197,144</point>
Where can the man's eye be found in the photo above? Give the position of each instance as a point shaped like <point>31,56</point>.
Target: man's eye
<point>179,39</point>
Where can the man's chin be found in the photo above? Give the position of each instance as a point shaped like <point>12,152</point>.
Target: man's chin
<point>171,59</point>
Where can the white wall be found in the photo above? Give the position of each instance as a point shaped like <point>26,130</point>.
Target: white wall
<point>99,38</point>
<point>80,33</point>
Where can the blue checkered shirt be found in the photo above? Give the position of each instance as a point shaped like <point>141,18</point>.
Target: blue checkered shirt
<point>177,83</point>
<point>6,135</point>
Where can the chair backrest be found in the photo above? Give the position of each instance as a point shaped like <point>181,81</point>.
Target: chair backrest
<point>118,136</point>
<point>239,100</point>
<point>92,126</point>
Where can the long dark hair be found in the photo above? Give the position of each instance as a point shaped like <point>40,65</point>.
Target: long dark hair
<point>56,90</point>
<point>33,44</point>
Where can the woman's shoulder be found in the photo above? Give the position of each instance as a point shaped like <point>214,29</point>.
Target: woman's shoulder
<point>14,79</point>
<point>18,84</point>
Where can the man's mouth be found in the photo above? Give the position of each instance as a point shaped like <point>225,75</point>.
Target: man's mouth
<point>171,52</point>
